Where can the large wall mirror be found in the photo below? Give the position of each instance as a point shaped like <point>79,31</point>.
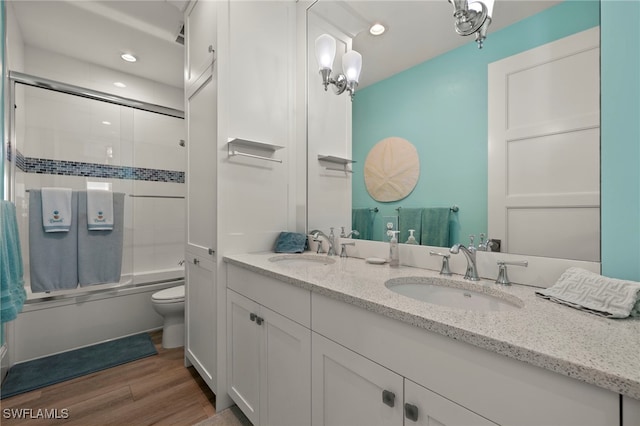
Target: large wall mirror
<point>422,82</point>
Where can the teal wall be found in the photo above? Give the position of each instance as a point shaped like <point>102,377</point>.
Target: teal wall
<point>620,139</point>
<point>440,106</point>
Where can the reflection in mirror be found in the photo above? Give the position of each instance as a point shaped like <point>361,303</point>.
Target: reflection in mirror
<point>433,91</point>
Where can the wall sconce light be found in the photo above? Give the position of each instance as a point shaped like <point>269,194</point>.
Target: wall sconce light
<point>351,66</point>
<point>473,16</point>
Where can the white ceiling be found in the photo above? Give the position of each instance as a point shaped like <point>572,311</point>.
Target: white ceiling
<point>417,30</point>
<point>99,31</point>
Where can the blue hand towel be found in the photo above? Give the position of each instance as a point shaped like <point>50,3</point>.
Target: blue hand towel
<point>362,221</point>
<point>410,219</point>
<point>99,210</point>
<point>291,242</point>
<point>56,209</point>
<point>12,292</point>
<point>435,227</point>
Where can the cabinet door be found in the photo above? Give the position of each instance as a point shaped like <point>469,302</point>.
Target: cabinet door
<point>243,345</point>
<point>200,38</point>
<point>200,296</point>
<point>201,168</point>
<point>426,408</point>
<point>285,371</point>
<point>349,389</point>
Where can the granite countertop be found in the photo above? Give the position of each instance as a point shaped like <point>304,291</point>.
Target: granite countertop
<point>600,351</point>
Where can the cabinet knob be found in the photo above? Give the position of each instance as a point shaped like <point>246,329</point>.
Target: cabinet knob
<point>388,398</point>
<point>196,261</point>
<point>259,320</point>
<point>411,412</point>
<point>252,316</point>
<point>211,50</point>
<point>211,251</point>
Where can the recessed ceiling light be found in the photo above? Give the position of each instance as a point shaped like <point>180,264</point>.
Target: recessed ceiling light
<point>128,57</point>
<point>106,123</point>
<point>377,29</point>
<point>119,84</point>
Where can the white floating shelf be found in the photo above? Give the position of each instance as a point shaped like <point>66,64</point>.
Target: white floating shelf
<point>344,162</point>
<point>235,146</point>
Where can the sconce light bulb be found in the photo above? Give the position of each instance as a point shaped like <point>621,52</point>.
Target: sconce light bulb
<point>352,65</point>
<point>325,51</point>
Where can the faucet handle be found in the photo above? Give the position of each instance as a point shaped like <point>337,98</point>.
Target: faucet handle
<point>444,270</point>
<point>342,234</point>
<point>503,278</point>
<point>471,238</point>
<point>319,241</point>
<point>343,250</point>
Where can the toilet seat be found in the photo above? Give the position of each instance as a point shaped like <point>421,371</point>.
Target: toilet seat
<point>169,295</point>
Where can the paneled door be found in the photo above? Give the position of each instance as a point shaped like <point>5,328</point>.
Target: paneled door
<point>544,155</point>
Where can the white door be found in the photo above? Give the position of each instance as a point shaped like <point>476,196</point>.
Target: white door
<point>201,168</point>
<point>243,346</point>
<point>200,38</point>
<point>426,408</point>
<point>200,320</point>
<point>285,371</point>
<point>544,138</point>
<point>349,389</point>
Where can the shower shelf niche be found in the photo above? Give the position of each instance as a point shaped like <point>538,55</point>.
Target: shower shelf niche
<point>344,162</point>
<point>247,148</point>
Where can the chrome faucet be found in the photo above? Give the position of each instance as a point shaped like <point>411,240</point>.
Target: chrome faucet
<point>470,254</point>
<point>316,234</point>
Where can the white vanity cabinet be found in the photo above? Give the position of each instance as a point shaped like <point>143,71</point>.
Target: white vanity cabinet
<point>269,353</point>
<point>349,389</point>
<point>450,382</point>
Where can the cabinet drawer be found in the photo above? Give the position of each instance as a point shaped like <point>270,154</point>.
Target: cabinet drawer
<point>286,299</point>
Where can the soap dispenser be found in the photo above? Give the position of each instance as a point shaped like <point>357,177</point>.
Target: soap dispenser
<point>411,239</point>
<point>394,250</point>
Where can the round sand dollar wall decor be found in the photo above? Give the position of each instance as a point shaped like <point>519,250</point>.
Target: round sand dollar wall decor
<point>391,169</point>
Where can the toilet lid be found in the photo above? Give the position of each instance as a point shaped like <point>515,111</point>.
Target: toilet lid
<point>172,294</point>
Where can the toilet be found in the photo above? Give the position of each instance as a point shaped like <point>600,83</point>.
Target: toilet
<point>170,304</point>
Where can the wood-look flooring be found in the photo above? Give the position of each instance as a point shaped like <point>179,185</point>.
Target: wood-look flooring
<point>155,390</point>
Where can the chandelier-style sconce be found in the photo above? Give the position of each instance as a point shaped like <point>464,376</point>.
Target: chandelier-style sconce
<point>473,17</point>
<point>351,66</point>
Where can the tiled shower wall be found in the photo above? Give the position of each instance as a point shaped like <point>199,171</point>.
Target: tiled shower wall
<point>69,141</point>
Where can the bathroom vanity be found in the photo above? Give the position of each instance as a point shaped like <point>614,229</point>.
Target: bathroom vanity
<point>322,340</point>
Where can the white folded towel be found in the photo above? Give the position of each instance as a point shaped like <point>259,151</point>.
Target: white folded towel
<point>591,292</point>
<point>99,210</point>
<point>56,209</point>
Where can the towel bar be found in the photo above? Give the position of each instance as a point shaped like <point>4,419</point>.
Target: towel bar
<point>275,160</point>
<point>453,208</point>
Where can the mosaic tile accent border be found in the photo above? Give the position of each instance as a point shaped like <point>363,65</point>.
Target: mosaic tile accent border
<point>76,168</point>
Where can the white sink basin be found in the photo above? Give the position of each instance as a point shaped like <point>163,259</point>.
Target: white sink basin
<point>451,294</point>
<point>302,260</point>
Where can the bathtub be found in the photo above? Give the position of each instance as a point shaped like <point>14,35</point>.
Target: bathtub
<point>57,322</point>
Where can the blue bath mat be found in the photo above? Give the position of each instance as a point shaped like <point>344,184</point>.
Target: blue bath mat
<point>57,368</point>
